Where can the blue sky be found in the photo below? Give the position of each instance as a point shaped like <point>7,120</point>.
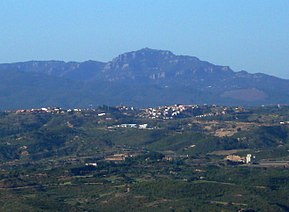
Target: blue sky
<point>251,35</point>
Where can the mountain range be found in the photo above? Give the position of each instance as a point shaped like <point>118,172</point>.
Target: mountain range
<point>142,78</point>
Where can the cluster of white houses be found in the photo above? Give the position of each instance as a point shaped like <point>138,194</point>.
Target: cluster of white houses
<point>166,112</point>
<point>48,110</point>
<point>173,111</point>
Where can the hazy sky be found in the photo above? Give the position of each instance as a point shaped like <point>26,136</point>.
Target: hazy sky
<point>251,35</point>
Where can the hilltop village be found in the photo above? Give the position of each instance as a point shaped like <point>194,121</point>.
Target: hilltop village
<point>162,112</point>
<point>220,121</point>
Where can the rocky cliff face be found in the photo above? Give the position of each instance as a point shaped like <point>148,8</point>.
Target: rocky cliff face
<point>148,64</point>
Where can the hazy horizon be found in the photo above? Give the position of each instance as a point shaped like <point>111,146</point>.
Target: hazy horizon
<point>250,36</point>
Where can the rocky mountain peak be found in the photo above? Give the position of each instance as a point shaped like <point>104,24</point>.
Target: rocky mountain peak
<point>152,64</point>
<point>145,54</point>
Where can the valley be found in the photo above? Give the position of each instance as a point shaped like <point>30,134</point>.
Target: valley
<point>172,158</point>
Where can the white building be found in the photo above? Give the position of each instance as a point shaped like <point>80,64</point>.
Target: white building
<point>248,158</point>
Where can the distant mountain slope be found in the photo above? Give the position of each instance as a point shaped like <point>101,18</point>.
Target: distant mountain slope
<point>71,70</point>
<point>146,77</point>
<point>27,90</point>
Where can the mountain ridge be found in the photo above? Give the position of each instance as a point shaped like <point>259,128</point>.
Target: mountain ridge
<point>146,77</point>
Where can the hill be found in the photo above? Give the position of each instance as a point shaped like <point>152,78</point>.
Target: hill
<point>112,158</point>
